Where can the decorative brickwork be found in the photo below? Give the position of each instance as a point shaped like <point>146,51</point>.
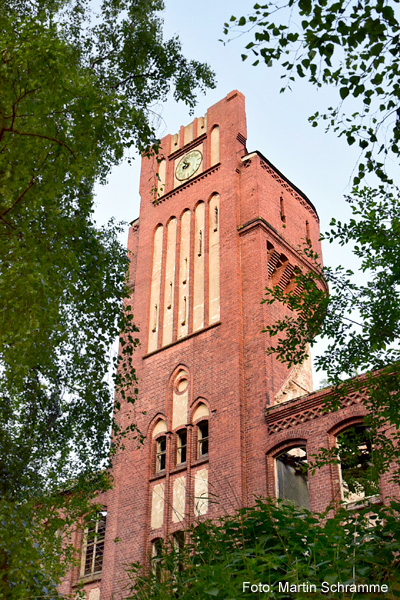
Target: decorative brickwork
<point>304,409</point>
<point>212,404</point>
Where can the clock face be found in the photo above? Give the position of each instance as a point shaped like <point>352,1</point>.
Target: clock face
<point>188,165</point>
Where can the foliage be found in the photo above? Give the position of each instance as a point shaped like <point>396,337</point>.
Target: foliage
<point>352,47</point>
<point>277,542</point>
<point>78,89</point>
<point>36,548</point>
<point>359,321</point>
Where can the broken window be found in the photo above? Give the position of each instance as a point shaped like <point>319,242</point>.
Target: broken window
<point>181,447</point>
<point>179,543</point>
<point>93,548</point>
<point>161,453</point>
<point>156,558</point>
<point>202,439</point>
<point>358,477</point>
<point>292,477</point>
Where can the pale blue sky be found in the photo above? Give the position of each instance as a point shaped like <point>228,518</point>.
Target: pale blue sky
<point>318,163</point>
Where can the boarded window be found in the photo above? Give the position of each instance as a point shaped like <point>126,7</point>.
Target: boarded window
<point>292,477</point>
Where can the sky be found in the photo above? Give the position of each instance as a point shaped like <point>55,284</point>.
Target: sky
<point>318,163</point>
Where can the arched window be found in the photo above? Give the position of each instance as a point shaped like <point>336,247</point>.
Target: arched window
<point>202,439</point>
<point>292,476</point>
<point>358,477</point>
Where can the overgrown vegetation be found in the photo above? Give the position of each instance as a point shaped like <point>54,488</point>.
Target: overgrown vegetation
<point>78,83</point>
<point>277,543</point>
<point>353,49</point>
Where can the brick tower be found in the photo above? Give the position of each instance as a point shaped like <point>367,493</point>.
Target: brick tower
<point>225,225</point>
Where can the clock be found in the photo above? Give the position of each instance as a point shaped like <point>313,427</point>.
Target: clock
<point>188,165</point>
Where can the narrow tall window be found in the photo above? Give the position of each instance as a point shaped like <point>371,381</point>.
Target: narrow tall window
<point>308,238</point>
<point>170,295</point>
<point>185,272</point>
<point>200,248</point>
<point>155,318</point>
<point>179,543</point>
<point>181,447</point>
<point>156,558</point>
<point>282,207</point>
<point>92,558</point>
<point>161,454</point>
<point>183,322</point>
<point>202,439</point>
<point>216,218</point>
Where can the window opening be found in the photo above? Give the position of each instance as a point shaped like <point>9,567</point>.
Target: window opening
<point>181,448</point>
<point>282,208</point>
<point>216,216</point>
<point>161,454</point>
<point>200,249</point>
<point>308,238</point>
<point>156,558</point>
<point>183,322</point>
<point>185,270</point>
<point>170,296</point>
<point>292,476</point>
<point>155,318</point>
<point>202,439</point>
<point>359,479</point>
<point>179,543</point>
<point>94,545</point>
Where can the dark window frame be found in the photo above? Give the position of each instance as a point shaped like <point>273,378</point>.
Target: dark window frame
<point>203,440</point>
<point>181,446</point>
<point>161,453</point>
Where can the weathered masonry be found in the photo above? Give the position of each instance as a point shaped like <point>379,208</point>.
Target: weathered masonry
<point>223,420</point>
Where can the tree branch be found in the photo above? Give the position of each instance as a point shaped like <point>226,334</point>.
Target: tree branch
<point>44,137</point>
<point>30,184</point>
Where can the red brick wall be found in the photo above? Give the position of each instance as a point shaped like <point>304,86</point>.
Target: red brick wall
<point>227,362</point>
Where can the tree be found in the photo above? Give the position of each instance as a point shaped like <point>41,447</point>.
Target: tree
<point>285,549</point>
<point>77,89</point>
<point>353,47</point>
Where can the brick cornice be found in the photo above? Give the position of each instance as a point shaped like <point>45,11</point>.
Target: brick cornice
<point>306,408</point>
<point>187,184</point>
<point>260,222</point>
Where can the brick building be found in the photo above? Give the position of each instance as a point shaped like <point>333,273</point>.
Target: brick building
<point>223,420</point>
